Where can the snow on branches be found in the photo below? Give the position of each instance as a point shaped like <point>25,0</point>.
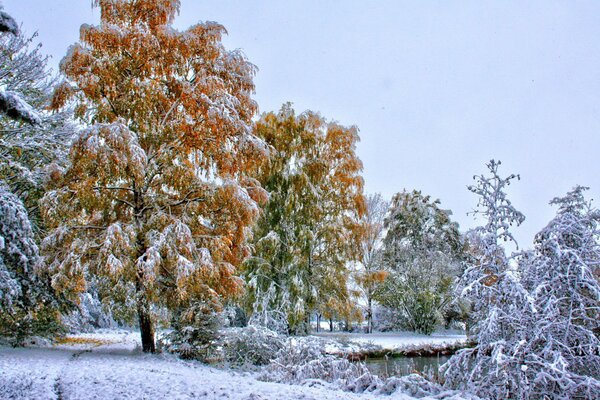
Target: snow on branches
<point>158,197</point>
<point>537,319</point>
<point>8,24</point>
<point>18,250</point>
<point>11,102</point>
<point>15,107</point>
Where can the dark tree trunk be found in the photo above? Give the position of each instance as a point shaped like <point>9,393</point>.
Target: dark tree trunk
<point>144,316</point>
<point>318,322</point>
<point>330,325</point>
<point>146,330</point>
<point>347,325</point>
<point>143,305</point>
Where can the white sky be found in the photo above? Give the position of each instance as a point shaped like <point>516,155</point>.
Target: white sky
<point>436,88</point>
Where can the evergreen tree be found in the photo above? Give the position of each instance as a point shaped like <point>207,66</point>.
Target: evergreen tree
<point>156,201</point>
<point>26,305</point>
<point>501,305</point>
<point>490,260</point>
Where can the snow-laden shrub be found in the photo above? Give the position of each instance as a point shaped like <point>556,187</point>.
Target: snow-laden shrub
<point>304,360</point>
<point>252,345</point>
<point>414,385</point>
<point>195,333</point>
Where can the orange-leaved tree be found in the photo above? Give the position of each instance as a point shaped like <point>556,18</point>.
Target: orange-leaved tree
<point>157,201</point>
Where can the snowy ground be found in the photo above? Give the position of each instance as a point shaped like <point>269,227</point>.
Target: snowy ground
<point>392,341</point>
<point>110,365</point>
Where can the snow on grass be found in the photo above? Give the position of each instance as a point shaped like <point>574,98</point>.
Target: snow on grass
<point>109,365</point>
<point>393,341</point>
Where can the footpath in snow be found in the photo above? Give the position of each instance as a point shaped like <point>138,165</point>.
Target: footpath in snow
<point>110,365</point>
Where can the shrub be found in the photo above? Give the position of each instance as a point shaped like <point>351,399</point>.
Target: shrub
<point>252,345</point>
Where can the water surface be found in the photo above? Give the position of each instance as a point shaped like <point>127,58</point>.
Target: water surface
<point>400,366</point>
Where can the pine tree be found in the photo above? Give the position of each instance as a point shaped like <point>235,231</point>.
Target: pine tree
<point>26,306</point>
<point>156,200</point>
<point>305,237</point>
<point>421,253</point>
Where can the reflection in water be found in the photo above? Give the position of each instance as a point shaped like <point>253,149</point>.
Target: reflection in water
<point>400,366</point>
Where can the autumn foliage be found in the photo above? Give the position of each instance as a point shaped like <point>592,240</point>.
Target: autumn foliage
<point>157,201</point>
<point>305,237</point>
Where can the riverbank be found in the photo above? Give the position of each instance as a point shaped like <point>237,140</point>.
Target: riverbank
<point>359,346</point>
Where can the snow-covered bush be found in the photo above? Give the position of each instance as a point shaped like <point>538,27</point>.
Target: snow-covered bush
<point>304,360</point>
<point>235,317</point>
<point>413,385</point>
<point>251,345</point>
<point>386,319</point>
<point>195,333</point>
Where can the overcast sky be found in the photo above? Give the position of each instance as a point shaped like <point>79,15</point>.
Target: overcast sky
<point>436,88</point>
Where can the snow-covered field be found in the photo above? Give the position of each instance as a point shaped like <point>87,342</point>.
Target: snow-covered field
<point>388,340</point>
<point>110,365</point>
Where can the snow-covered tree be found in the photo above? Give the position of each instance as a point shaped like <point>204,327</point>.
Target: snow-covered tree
<point>421,254</point>
<point>563,350</point>
<point>370,273</point>
<point>501,305</point>
<point>18,251</point>
<point>7,23</point>
<point>540,337</point>
<point>29,141</point>
<point>27,149</point>
<point>25,307</point>
<point>306,236</point>
<point>11,102</point>
<point>490,261</point>
<point>156,200</point>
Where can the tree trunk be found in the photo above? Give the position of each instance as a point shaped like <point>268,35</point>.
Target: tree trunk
<point>144,316</point>
<point>330,325</point>
<point>370,317</point>
<point>143,305</point>
<point>318,322</point>
<point>146,329</point>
